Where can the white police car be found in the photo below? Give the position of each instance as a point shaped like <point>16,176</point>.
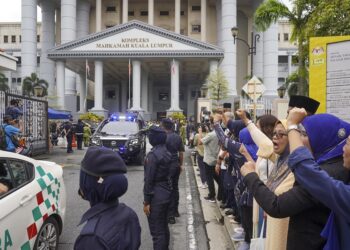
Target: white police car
<point>32,203</point>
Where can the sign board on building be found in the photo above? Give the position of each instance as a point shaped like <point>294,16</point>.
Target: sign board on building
<point>254,88</point>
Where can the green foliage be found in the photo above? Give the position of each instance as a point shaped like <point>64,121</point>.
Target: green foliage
<point>91,117</point>
<point>217,85</point>
<point>30,82</point>
<point>3,85</point>
<point>178,116</point>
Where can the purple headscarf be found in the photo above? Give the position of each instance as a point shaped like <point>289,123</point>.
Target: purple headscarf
<point>246,139</point>
<point>327,135</point>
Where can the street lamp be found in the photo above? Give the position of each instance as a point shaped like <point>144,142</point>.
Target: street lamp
<point>38,90</point>
<point>204,91</point>
<point>281,91</point>
<point>251,47</point>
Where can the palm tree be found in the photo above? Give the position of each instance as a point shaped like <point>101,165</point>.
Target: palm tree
<point>30,82</point>
<point>271,10</point>
<point>3,85</point>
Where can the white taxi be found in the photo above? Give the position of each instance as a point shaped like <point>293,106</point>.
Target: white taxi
<point>32,203</point>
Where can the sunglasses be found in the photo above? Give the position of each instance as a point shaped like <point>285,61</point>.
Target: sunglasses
<point>279,135</point>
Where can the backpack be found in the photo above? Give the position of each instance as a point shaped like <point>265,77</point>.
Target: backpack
<point>3,143</point>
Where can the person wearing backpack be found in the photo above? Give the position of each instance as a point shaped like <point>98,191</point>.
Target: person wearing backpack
<point>9,130</point>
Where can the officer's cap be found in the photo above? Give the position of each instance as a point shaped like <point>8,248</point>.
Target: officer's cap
<point>309,104</point>
<point>100,162</point>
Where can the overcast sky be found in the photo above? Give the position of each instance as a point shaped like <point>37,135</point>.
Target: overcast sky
<point>11,11</point>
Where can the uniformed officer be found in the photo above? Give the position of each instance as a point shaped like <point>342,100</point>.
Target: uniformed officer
<point>109,224</point>
<point>176,148</point>
<point>157,188</point>
<point>79,131</point>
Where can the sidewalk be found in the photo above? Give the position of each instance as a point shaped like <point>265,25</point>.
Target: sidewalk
<point>219,228</point>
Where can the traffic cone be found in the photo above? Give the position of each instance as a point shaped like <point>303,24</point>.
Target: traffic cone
<point>74,142</point>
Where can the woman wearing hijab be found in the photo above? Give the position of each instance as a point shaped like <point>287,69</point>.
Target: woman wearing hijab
<point>307,215</point>
<point>325,140</point>
<point>109,224</point>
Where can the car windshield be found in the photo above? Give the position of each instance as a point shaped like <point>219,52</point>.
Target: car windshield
<point>119,128</point>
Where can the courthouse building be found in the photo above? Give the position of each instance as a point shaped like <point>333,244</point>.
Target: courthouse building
<point>150,55</point>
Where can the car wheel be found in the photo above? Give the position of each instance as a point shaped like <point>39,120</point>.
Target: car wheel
<point>48,235</point>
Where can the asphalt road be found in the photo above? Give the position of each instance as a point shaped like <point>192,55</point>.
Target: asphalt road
<point>189,231</point>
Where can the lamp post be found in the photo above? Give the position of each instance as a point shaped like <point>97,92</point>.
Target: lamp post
<point>281,91</point>
<point>251,47</point>
<point>204,91</point>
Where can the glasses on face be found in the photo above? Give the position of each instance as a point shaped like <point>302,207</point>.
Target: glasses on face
<point>279,134</point>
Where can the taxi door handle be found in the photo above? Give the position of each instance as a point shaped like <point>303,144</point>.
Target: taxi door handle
<point>25,199</point>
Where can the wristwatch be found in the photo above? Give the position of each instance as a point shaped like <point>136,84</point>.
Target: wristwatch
<point>292,127</point>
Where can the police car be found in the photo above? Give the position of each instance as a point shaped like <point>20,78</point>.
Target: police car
<point>32,203</point>
<point>121,132</point>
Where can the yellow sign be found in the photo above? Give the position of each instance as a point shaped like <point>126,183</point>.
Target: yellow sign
<point>318,68</point>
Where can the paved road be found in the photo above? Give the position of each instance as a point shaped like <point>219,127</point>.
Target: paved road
<point>187,233</point>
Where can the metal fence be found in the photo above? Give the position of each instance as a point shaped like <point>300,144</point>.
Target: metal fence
<point>263,105</point>
<point>34,119</point>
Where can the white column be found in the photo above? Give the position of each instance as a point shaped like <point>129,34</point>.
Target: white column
<point>47,66</point>
<point>213,65</point>
<point>83,18</point>
<point>82,90</point>
<point>28,31</point>
<point>151,12</point>
<point>271,61</point>
<point>60,81</point>
<point>203,20</point>
<point>289,53</point>
<point>177,16</point>
<point>218,23</point>
<point>258,62</point>
<point>68,33</point>
<point>98,15</point>
<point>150,100</point>
<point>136,85</point>
<point>125,11</point>
<point>175,92</point>
<point>124,95</point>
<point>229,63</point>
<point>98,86</point>
<point>144,90</point>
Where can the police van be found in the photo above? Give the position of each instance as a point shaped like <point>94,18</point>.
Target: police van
<point>32,203</point>
<point>121,132</point>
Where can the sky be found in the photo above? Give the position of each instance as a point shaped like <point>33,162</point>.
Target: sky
<point>12,11</point>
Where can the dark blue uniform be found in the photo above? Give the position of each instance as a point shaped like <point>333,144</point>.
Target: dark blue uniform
<point>79,130</point>
<point>111,226</point>
<point>157,192</point>
<point>174,145</point>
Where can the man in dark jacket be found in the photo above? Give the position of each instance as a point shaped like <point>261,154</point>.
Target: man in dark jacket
<point>79,132</point>
<point>157,188</point>
<point>69,133</point>
<point>176,148</point>
<point>109,224</point>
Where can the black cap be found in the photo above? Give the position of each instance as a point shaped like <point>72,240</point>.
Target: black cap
<point>101,161</point>
<point>309,104</point>
<point>167,123</point>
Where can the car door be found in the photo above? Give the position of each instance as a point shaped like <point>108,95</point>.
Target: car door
<point>17,231</point>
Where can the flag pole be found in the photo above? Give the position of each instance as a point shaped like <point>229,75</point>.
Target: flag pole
<point>129,72</point>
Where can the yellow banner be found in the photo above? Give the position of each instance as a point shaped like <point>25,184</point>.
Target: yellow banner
<point>318,68</point>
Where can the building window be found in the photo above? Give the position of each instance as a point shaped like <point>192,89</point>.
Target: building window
<point>13,39</point>
<point>196,28</point>
<point>19,80</point>
<point>19,60</point>
<point>110,94</point>
<point>196,8</point>
<point>20,39</point>
<point>285,36</point>
<point>182,12</point>
<point>164,13</point>
<point>282,59</point>
<point>111,9</point>
<point>131,13</point>
<point>14,80</point>
<point>6,39</point>
<point>143,13</point>
<point>281,79</point>
<point>279,37</point>
<point>38,59</point>
<point>38,38</point>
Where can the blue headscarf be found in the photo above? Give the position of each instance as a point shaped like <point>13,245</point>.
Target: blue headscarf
<point>246,139</point>
<point>327,136</point>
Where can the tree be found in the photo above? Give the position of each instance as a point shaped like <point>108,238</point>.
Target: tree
<point>3,85</point>
<point>30,82</point>
<point>217,85</point>
<point>271,10</point>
